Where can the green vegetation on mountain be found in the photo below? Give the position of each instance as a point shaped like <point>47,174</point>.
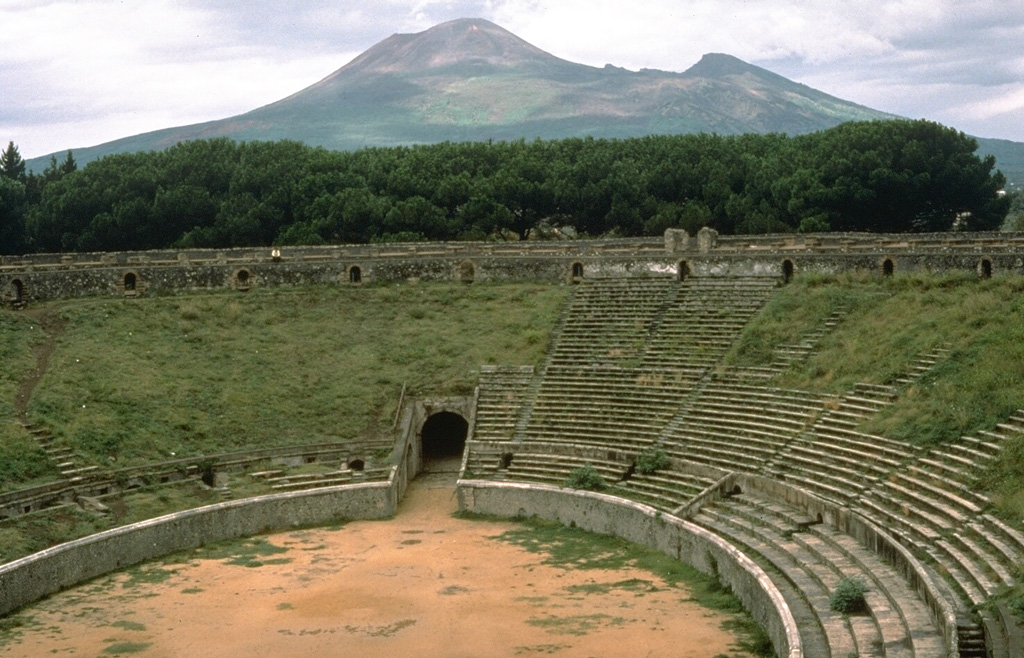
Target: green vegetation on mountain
<point>888,176</point>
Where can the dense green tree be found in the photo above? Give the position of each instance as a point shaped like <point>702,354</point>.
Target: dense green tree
<point>868,176</point>
<point>12,216</point>
<point>12,165</point>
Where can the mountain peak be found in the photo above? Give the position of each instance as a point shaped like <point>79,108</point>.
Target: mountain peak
<point>473,41</point>
<point>720,65</point>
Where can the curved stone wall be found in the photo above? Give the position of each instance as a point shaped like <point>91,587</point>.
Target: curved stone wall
<point>66,565</point>
<point>643,525</point>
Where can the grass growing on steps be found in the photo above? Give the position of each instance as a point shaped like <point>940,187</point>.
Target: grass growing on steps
<point>889,324</point>
<point>21,459</point>
<point>133,381</point>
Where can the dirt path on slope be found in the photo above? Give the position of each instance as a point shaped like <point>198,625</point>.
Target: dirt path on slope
<point>423,584</point>
<point>51,324</point>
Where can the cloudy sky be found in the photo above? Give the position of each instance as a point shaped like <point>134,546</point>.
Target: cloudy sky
<point>76,73</point>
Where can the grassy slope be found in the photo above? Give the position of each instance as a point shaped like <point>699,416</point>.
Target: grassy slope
<point>888,324</point>
<point>21,459</point>
<point>891,322</point>
<point>133,380</point>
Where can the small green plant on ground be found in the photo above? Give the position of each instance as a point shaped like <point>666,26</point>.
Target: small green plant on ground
<point>848,596</point>
<point>651,460</point>
<point>586,477</point>
<point>124,648</point>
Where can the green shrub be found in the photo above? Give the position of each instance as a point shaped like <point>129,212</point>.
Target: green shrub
<point>650,461</point>
<point>586,477</point>
<point>848,596</point>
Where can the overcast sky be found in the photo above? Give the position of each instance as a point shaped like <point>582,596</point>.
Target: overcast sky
<point>81,72</point>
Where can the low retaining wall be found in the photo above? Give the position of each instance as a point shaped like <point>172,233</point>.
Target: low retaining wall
<point>644,525</point>
<point>46,572</point>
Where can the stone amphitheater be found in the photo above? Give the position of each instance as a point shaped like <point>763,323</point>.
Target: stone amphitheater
<point>774,490</point>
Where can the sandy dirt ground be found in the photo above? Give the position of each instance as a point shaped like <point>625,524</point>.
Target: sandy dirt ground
<point>424,584</point>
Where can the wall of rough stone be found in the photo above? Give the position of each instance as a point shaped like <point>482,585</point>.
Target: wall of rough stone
<point>41,574</point>
<point>54,276</point>
<point>643,525</point>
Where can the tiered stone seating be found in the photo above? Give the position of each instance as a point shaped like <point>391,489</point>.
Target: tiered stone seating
<point>923,364</point>
<point>501,393</point>
<point>807,561</point>
<point>838,465</point>
<point>280,480</point>
<point>703,321</point>
<point>931,507</point>
<point>665,489</point>
<point>833,460</point>
<point>609,321</point>
<point>554,469</point>
<point>606,405</point>
<point>633,369</point>
<point>734,425</point>
<point>788,354</point>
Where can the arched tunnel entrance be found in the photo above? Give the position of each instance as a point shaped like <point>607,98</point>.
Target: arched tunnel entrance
<point>444,438</point>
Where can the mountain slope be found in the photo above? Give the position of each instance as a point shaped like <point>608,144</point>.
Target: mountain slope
<point>469,79</point>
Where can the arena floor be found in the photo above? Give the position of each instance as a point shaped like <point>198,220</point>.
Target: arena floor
<point>425,584</point>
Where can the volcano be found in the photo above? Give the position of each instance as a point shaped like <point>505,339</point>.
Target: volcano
<point>471,80</point>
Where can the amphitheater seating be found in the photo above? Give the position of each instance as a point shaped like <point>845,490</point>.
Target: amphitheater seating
<point>609,320</point>
<point>807,560</point>
<point>737,426</point>
<point>280,480</point>
<point>664,490</point>
<point>789,354</point>
<point>606,405</point>
<point>637,367</point>
<point>502,391</point>
<point>703,320</point>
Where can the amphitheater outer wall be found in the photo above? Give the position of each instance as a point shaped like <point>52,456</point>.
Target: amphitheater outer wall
<point>643,525</point>
<point>52,570</point>
<point>56,276</point>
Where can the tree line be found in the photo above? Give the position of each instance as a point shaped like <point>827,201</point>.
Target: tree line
<point>892,176</point>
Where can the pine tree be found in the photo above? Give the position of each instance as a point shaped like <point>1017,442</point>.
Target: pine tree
<point>69,165</point>
<point>11,164</point>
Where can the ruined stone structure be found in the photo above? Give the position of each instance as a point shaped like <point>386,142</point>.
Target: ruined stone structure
<point>772,490</point>
<point>54,276</point>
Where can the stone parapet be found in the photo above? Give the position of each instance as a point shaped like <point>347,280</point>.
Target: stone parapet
<point>38,277</point>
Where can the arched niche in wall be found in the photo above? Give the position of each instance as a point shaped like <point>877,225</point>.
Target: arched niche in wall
<point>683,270</point>
<point>467,271</point>
<point>243,279</point>
<point>355,274</point>
<point>576,272</point>
<point>16,292</point>
<point>130,283</point>
<point>787,270</point>
<point>985,268</point>
<point>888,267</point>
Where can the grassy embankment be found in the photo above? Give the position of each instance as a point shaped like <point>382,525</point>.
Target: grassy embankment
<point>147,380</point>
<point>891,322</point>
